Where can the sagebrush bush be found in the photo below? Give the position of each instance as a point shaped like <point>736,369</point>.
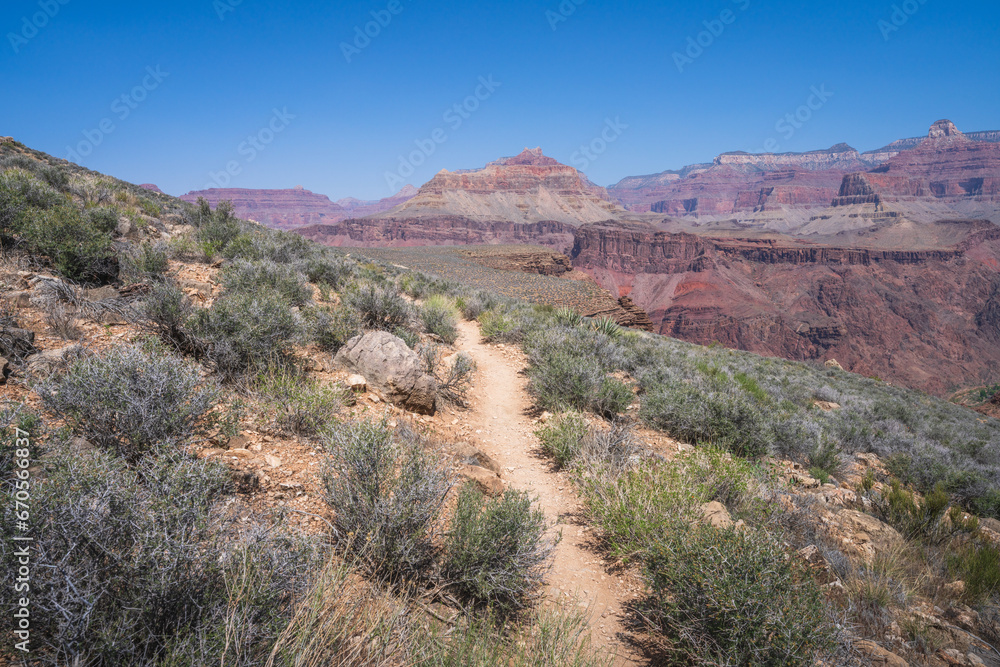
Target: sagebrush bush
<point>20,195</point>
<point>245,333</point>
<point>336,272</point>
<point>120,574</point>
<point>166,312</point>
<point>251,276</point>
<point>439,317</point>
<point>331,328</point>
<point>495,552</point>
<point>386,497</point>
<point>977,563</point>
<point>131,400</point>
<point>380,307</point>
<point>303,406</point>
<point>733,597</point>
<point>144,262</point>
<point>497,326</point>
<point>562,438</point>
<point>216,229</point>
<point>455,379</point>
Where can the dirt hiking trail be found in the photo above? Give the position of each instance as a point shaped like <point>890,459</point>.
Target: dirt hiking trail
<point>502,428</point>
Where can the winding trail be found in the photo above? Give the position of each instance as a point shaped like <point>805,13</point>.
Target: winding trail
<point>502,428</point>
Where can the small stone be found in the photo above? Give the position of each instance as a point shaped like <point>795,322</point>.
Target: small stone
<point>241,453</point>
<point>239,442</point>
<point>357,383</point>
<point>272,460</point>
<point>834,364</point>
<point>954,590</point>
<point>290,486</point>
<point>487,480</point>
<point>545,416</point>
<point>210,453</point>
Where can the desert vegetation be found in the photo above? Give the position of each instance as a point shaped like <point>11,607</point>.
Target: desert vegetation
<point>408,564</point>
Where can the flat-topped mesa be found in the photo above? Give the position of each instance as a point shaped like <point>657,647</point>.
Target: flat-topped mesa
<point>280,209</point>
<point>840,156</point>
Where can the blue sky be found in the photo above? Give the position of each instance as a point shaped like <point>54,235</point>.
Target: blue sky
<point>171,93</point>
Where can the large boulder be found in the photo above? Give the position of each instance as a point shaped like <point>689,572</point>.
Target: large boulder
<point>393,368</point>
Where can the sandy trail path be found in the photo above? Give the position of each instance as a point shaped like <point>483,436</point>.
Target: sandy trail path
<point>500,425</point>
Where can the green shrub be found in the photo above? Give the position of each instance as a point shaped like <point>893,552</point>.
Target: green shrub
<point>245,333</point>
<point>927,520</point>
<point>335,272</point>
<point>78,250</point>
<point>495,551</point>
<point>20,195</point>
<point>303,406</point>
<point>144,262</point>
<point>411,339</point>
<point>166,312</point>
<point>568,317</point>
<point>439,317</point>
<point>562,438</point>
<point>734,597</point>
<point>977,563</point>
<point>386,497</point>
<point>379,307</point>
<point>501,327</point>
<point>655,498</point>
<point>251,276</point>
<point>333,327</point>
<point>216,229</point>
<point>131,400</point>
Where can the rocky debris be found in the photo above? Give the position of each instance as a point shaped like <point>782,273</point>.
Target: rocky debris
<point>388,364</point>
<point>878,655</point>
<point>6,140</point>
<point>827,406</point>
<point>470,455</point>
<point>488,481</point>
<point>16,343</point>
<point>357,383</point>
<point>48,362</point>
<point>716,515</point>
<point>636,317</point>
<point>540,262</point>
<point>866,536</point>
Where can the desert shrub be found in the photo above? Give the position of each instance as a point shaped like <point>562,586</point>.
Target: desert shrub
<point>495,552</point>
<point>12,418</point>
<point>455,379</point>
<point>245,333</point>
<point>439,317</point>
<point>733,597</point>
<point>379,307</point>
<point>927,519</point>
<point>120,575</point>
<point>474,305</point>
<point>102,218</point>
<point>270,245</point>
<point>336,272</point>
<point>546,638</point>
<point>144,262</point>
<point>331,328</point>
<point>411,339</point>
<point>727,418</point>
<point>130,399</point>
<point>77,249</point>
<point>249,277</point>
<point>655,498</point>
<point>62,321</point>
<point>166,313</point>
<point>824,461</point>
<point>562,379</point>
<point>216,229</point>
<point>977,563</point>
<point>499,326</point>
<point>386,497</point>
<point>612,450</point>
<point>562,438</point>
<point>21,193</point>
<point>304,406</point>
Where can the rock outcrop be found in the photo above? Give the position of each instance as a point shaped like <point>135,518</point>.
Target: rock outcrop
<point>389,365</point>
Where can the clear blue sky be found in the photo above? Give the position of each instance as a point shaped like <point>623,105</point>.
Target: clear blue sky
<point>606,60</point>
